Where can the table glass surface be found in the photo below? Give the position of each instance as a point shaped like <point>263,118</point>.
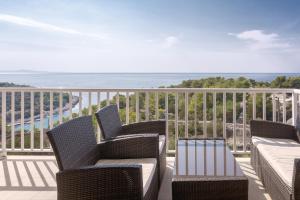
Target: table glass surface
<point>205,158</point>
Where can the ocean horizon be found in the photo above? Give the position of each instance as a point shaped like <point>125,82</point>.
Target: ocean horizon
<point>120,80</point>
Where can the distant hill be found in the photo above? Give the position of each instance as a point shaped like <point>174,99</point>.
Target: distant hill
<point>7,84</point>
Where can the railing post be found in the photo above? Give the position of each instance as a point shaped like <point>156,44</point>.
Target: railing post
<point>70,105</point>
<point>167,119</point>
<point>176,116</point>
<point>98,108</point>
<point>274,108</point>
<point>264,106</point>
<point>31,121</point>
<point>90,104</point>
<point>51,111</point>
<point>234,120</point>
<point>156,106</point>
<point>147,106</point>
<point>3,123</point>
<point>186,114</point>
<point>60,107</point>
<point>214,115</point>
<point>127,108</point>
<point>137,107</point>
<point>244,120</point>
<point>224,115</point>
<point>22,121</point>
<point>204,116</point>
<point>254,106</point>
<point>107,99</point>
<point>294,108</point>
<point>284,107</point>
<point>12,121</point>
<point>195,115</point>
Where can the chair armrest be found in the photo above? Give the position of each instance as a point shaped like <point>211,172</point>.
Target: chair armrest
<point>269,129</point>
<point>101,182</point>
<point>138,146</point>
<point>158,126</point>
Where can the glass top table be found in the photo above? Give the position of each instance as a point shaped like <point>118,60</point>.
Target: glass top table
<point>207,168</point>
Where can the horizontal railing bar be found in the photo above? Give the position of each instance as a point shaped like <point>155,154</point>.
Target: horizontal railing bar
<point>237,90</point>
<point>297,91</point>
<point>28,150</point>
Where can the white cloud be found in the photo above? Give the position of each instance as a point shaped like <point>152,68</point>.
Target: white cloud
<point>170,41</point>
<point>258,39</point>
<point>44,26</point>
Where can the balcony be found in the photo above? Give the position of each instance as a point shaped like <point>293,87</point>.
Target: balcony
<point>28,172</point>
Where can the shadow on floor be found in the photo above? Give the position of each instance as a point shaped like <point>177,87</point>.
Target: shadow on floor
<point>28,174</point>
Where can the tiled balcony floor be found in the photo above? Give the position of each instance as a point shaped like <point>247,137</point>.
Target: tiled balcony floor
<point>33,178</point>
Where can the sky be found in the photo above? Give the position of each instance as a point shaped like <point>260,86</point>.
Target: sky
<point>150,36</point>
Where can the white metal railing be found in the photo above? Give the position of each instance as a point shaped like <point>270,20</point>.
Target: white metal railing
<point>27,113</point>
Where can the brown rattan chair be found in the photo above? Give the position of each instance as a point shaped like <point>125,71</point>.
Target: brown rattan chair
<point>111,127</point>
<point>274,145</point>
<point>113,169</point>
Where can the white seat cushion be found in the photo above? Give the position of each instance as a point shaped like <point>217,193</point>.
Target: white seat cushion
<point>162,141</point>
<point>148,168</point>
<point>280,154</point>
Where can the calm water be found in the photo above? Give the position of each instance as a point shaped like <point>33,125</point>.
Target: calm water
<point>120,80</point>
<point>115,80</point>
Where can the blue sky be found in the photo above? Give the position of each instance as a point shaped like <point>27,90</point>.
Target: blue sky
<point>150,36</point>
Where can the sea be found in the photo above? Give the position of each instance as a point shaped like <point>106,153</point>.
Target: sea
<point>121,80</point>
<point>114,80</point>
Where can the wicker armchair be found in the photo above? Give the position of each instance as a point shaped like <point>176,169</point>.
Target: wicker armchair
<point>113,169</point>
<point>275,156</point>
<point>111,127</point>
